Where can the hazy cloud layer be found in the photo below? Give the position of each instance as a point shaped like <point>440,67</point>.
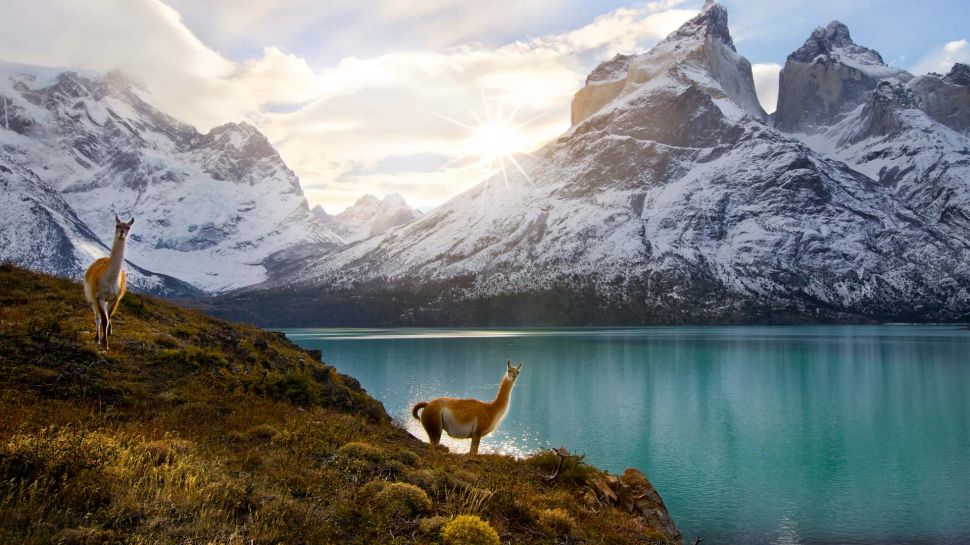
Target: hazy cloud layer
<point>394,121</point>
<point>942,59</point>
<point>335,125</point>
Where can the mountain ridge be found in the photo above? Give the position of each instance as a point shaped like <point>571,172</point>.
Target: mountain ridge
<point>367,217</point>
<point>213,208</point>
<point>670,200</point>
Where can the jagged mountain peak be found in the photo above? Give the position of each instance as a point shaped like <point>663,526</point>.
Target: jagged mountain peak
<point>700,55</point>
<point>368,216</point>
<point>959,75</point>
<point>241,136</point>
<point>610,70</point>
<point>367,200</point>
<point>711,21</point>
<point>828,76</point>
<point>834,42</point>
<point>394,199</point>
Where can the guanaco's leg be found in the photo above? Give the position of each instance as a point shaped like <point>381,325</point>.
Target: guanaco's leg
<point>111,311</point>
<point>475,440</point>
<point>431,420</point>
<point>97,323</point>
<point>105,323</point>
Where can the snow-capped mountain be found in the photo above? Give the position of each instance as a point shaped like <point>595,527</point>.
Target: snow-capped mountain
<point>39,230</point>
<point>669,200</point>
<point>909,134</point>
<point>213,209</point>
<point>368,217</point>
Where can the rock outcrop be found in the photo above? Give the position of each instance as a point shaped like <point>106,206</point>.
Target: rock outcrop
<point>827,76</point>
<point>946,99</point>
<point>632,493</point>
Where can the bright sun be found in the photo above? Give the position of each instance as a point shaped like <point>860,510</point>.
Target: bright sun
<point>495,141</point>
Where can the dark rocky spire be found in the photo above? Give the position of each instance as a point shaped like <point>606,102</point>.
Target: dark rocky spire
<point>711,21</point>
<point>824,40</point>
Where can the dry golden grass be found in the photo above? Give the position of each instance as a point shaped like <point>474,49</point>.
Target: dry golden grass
<point>194,430</point>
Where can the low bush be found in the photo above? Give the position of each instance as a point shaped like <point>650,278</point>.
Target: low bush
<point>558,522</point>
<point>469,530</point>
<point>402,501</point>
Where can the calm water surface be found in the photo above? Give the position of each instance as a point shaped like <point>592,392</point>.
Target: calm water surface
<point>842,434</point>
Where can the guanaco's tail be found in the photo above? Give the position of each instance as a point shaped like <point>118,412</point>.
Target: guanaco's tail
<point>418,407</point>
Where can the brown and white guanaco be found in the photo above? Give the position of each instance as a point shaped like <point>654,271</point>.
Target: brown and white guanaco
<point>467,418</point>
<point>104,282</point>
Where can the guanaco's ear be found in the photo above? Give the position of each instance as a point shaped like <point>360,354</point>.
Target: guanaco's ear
<point>508,364</point>
<point>519,367</point>
<point>117,220</point>
<point>131,222</point>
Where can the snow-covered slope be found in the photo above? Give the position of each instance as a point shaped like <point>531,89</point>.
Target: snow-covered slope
<point>910,135</point>
<point>213,209</point>
<point>39,230</point>
<point>368,217</point>
<point>672,201</point>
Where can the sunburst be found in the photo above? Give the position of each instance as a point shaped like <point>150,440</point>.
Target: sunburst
<point>494,139</point>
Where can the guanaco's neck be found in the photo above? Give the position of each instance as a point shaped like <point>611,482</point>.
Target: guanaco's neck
<point>502,398</point>
<point>117,259</point>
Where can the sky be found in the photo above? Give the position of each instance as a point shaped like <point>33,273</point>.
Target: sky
<point>424,98</point>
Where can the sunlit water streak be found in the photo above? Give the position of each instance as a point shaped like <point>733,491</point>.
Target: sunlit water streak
<point>780,435</point>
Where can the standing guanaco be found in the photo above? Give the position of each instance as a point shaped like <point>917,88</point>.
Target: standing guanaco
<point>467,418</point>
<point>104,282</point>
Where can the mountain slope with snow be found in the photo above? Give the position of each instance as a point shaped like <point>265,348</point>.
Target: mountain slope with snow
<point>669,201</point>
<point>213,209</point>
<point>910,135</point>
<point>40,231</point>
<point>368,217</point>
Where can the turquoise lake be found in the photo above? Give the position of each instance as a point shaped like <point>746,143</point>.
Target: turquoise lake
<point>821,434</point>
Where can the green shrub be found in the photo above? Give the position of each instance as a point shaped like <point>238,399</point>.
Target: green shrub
<point>356,450</point>
<point>469,530</point>
<point>574,470</point>
<point>432,482</point>
<point>402,501</point>
<point>293,387</point>
<point>369,490</point>
<point>432,526</point>
<point>557,522</point>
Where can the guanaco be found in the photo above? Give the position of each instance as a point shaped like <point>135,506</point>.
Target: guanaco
<point>104,282</point>
<point>467,418</point>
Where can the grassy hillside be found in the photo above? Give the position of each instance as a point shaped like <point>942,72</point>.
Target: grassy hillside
<point>196,430</point>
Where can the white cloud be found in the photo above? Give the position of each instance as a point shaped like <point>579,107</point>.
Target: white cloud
<point>942,59</point>
<point>336,125</point>
<point>766,84</point>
